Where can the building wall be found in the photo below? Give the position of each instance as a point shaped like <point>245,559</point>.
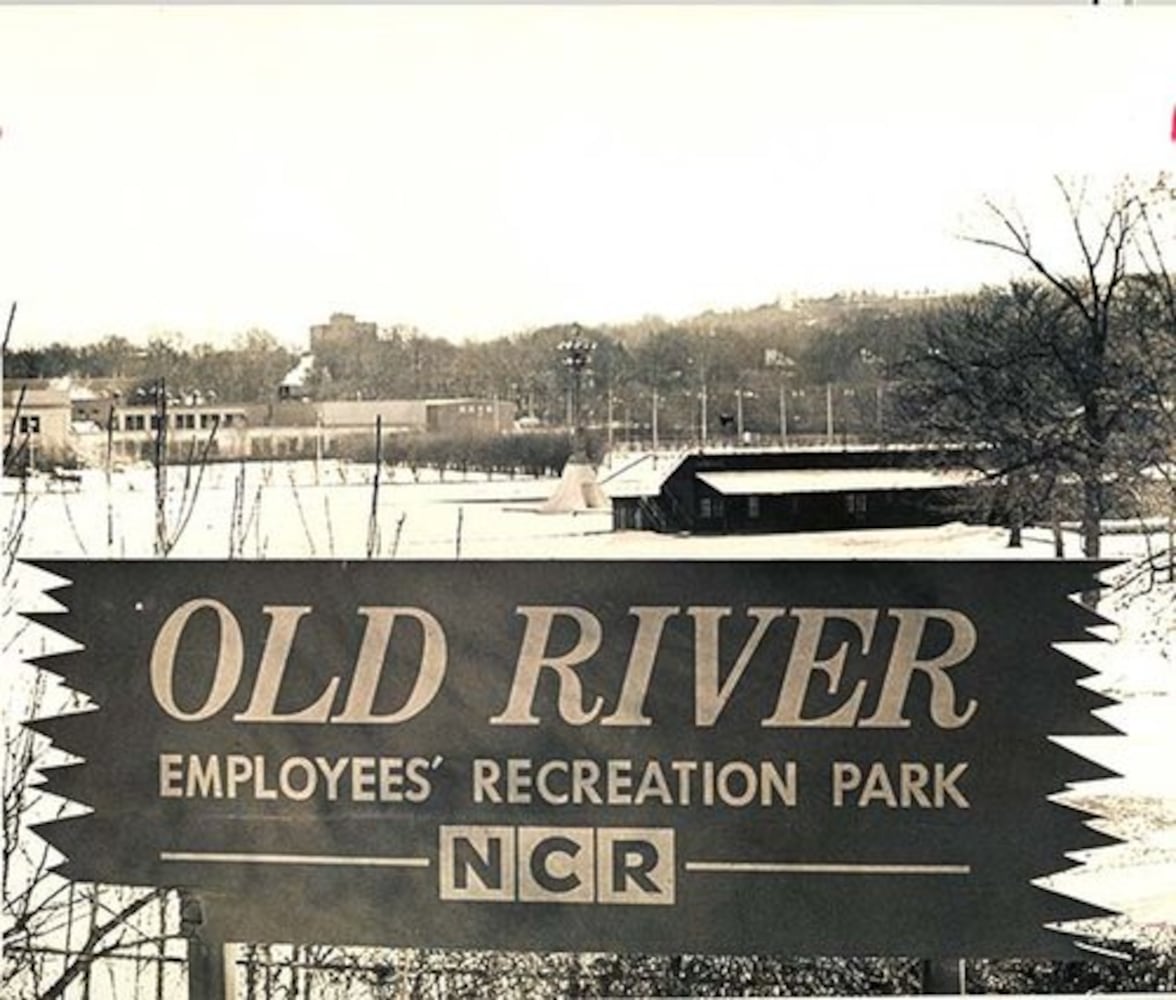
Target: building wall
<point>686,503</point>
<point>834,511</point>
<point>180,418</point>
<point>407,414</point>
<point>476,416</point>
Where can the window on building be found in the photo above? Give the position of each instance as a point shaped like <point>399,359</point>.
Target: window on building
<point>855,503</point>
<point>135,422</point>
<point>155,421</point>
<point>710,507</point>
<point>753,507</point>
<point>30,424</point>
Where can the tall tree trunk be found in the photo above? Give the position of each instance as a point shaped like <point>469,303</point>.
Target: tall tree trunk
<point>1016,508</point>
<point>1092,513</point>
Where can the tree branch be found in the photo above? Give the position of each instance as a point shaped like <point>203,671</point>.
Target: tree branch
<point>90,950</point>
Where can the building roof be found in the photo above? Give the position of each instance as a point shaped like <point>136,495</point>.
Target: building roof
<point>35,393</point>
<point>297,376</point>
<point>641,477</point>
<point>775,482</point>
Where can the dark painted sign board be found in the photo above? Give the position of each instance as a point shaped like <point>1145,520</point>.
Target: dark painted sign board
<point>803,758</point>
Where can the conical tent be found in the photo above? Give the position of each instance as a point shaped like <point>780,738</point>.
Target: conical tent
<point>577,490</point>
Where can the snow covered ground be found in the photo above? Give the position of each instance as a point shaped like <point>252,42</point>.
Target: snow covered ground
<point>298,510</point>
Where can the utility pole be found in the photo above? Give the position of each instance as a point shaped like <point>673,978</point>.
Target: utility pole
<point>877,366</point>
<point>702,416</point>
<point>829,436</point>
<point>786,368</point>
<point>783,416</point>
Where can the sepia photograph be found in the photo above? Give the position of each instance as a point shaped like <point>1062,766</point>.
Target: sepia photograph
<point>541,500</point>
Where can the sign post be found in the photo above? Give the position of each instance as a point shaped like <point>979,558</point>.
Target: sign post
<point>943,976</point>
<point>808,758</point>
<point>211,963</point>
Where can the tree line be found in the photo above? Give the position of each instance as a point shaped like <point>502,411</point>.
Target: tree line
<point>1059,383</point>
<point>737,360</point>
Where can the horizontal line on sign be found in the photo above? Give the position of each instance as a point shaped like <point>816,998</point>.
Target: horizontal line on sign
<point>214,857</point>
<point>815,868</point>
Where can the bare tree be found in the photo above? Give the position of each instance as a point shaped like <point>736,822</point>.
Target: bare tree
<point>168,530</point>
<point>981,381</point>
<point>1100,355</point>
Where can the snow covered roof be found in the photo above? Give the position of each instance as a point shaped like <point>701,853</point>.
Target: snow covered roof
<point>297,376</point>
<point>774,482</point>
<point>642,476</point>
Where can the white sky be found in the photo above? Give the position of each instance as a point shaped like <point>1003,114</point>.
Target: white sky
<point>479,170</point>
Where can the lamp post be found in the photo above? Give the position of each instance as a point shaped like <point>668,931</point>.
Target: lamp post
<point>786,368</point>
<point>740,395</point>
<point>876,365</point>
<point>577,356</point>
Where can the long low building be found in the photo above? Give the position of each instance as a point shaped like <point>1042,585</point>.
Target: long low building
<point>802,490</point>
<point>62,420</point>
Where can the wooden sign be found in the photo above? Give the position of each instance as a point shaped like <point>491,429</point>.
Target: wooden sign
<point>808,758</point>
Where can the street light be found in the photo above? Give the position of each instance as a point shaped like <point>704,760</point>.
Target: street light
<point>577,356</point>
<point>786,368</point>
<point>740,395</point>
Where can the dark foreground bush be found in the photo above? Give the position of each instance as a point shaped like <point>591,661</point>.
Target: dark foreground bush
<point>494,974</point>
<point>1145,971</point>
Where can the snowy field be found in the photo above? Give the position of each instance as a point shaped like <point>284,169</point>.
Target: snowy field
<point>300,510</point>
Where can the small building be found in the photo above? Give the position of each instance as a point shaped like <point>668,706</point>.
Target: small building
<point>342,330</point>
<point>742,492</point>
<point>37,418</point>
<point>93,400</point>
<point>294,384</point>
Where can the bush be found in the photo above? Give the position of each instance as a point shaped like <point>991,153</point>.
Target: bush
<point>503,974</point>
<point>532,454</point>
